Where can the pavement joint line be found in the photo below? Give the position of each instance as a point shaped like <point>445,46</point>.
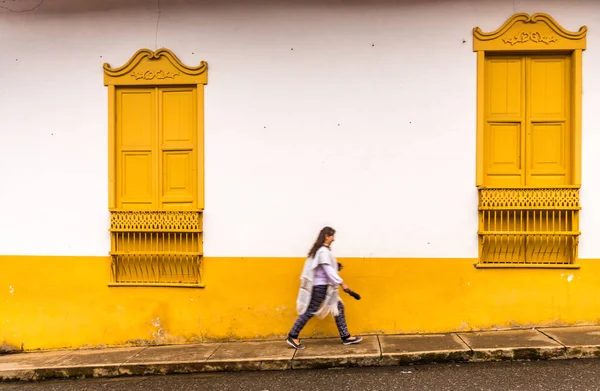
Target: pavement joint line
<point>213,353</point>
<point>552,338</point>
<point>465,342</point>
<point>66,354</point>
<point>134,356</point>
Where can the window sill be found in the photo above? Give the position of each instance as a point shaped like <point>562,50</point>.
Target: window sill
<point>523,266</point>
<point>153,285</point>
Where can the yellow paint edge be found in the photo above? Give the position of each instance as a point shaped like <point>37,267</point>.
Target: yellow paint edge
<point>200,143</point>
<point>577,115</point>
<point>480,118</point>
<point>111,146</point>
<point>522,266</point>
<point>154,285</point>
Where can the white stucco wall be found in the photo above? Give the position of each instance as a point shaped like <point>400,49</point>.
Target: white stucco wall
<point>360,115</point>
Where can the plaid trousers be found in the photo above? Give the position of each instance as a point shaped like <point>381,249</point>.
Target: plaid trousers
<point>318,296</point>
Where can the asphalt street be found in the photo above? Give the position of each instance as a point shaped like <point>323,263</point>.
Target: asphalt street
<point>561,375</point>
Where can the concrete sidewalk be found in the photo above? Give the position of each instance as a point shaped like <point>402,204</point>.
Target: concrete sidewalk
<point>530,344</point>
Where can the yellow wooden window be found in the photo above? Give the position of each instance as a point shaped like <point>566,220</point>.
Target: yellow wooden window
<point>157,149</point>
<point>156,182</point>
<point>529,142</point>
<point>528,128</point>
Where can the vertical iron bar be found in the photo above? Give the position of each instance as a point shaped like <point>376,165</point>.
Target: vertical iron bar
<point>522,238</point>
<point>502,237</point>
<point>497,237</point>
<point>525,235</point>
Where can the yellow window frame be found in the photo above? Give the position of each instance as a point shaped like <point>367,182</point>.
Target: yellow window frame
<point>136,260</point>
<point>537,33</point>
<point>529,34</point>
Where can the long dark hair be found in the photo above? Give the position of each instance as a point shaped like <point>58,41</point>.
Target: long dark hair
<point>326,231</point>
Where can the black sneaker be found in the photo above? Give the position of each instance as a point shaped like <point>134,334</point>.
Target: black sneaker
<point>351,340</point>
<point>293,344</point>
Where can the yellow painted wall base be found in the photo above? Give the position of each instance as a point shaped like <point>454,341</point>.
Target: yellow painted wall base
<point>65,302</point>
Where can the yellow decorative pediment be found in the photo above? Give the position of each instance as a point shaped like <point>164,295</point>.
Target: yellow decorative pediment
<point>161,67</point>
<point>523,32</point>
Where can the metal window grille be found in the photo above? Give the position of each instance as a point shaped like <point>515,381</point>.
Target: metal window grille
<point>156,248</point>
<point>528,226</point>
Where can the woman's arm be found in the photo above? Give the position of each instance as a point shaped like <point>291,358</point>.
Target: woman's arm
<point>325,258</point>
<point>332,275</point>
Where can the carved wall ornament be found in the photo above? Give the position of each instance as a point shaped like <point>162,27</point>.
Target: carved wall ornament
<point>161,67</point>
<point>525,36</point>
<point>537,32</point>
<point>149,75</point>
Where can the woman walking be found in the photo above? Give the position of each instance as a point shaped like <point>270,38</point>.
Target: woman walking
<point>319,285</point>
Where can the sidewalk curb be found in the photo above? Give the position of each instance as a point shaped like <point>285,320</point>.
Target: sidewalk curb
<point>448,356</point>
<point>143,369</point>
<point>519,354</point>
<point>376,351</point>
<point>583,352</point>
